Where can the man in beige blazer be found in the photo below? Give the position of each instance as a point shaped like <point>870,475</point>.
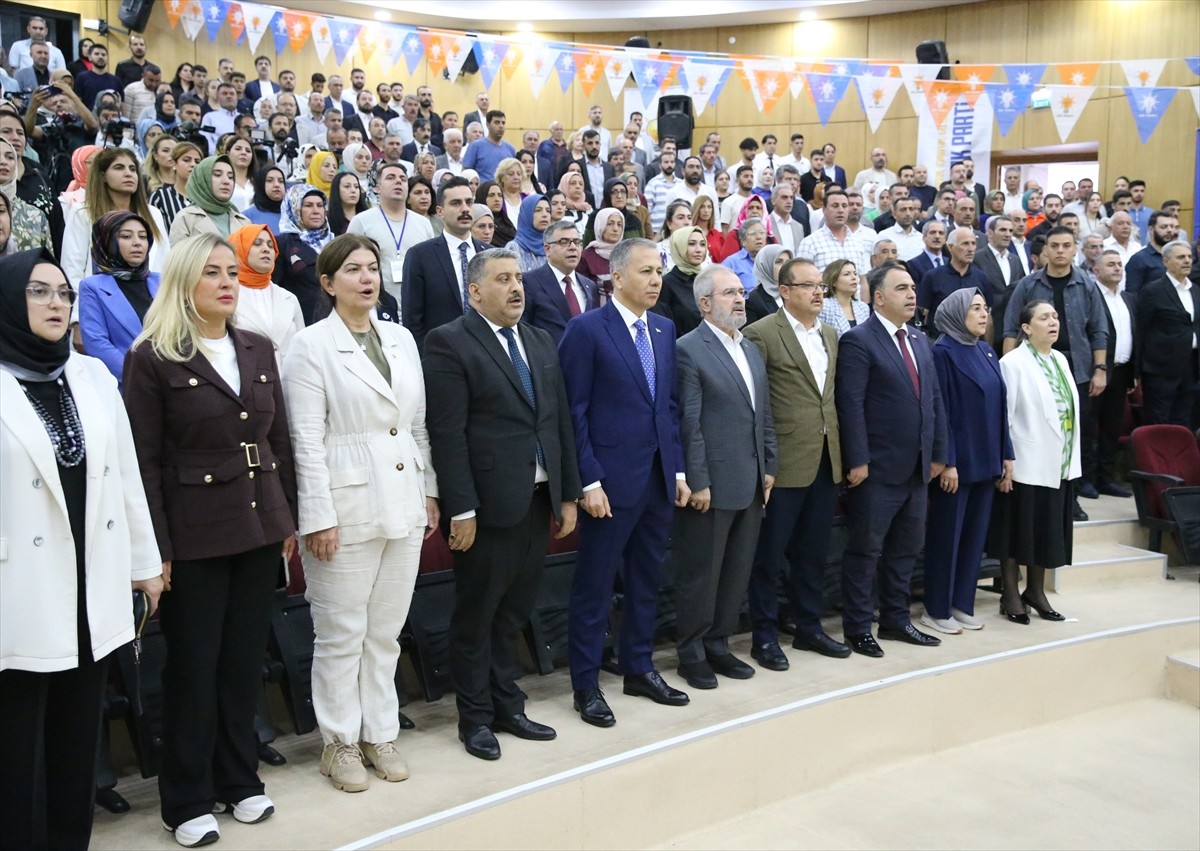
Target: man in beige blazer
<point>801,357</point>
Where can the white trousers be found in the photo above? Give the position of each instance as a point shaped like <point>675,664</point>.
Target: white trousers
<point>359,603</point>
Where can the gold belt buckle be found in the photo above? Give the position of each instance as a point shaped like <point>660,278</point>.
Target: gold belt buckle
<point>252,457</point>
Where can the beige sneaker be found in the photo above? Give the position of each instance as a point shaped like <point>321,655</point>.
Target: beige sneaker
<point>385,756</point>
<point>343,765</point>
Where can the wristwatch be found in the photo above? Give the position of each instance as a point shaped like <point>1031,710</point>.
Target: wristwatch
<point>1100,366</point>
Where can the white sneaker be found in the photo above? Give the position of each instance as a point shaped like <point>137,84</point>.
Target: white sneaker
<point>343,765</point>
<point>966,621</point>
<point>202,830</point>
<point>947,625</point>
<point>250,810</point>
<point>385,756</point>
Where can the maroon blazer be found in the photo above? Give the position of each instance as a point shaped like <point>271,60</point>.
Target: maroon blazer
<point>217,466</point>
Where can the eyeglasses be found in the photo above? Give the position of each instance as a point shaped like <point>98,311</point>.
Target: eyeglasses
<point>567,243</point>
<point>806,287</point>
<point>731,293</point>
<point>43,294</point>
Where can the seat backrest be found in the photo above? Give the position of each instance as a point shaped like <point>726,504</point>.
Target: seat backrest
<point>435,554</point>
<point>1169,449</point>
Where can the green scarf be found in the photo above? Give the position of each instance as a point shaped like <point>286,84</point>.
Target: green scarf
<point>199,187</point>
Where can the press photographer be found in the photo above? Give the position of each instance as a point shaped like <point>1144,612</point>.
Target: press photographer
<point>57,122</point>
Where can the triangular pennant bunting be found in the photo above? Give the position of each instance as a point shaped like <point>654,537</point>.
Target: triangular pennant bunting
<point>940,95</point>
<point>826,91</point>
<point>565,65</point>
<point>489,54</point>
<point>1148,105</point>
<point>512,60</point>
<point>1195,92</point>
<point>391,42</point>
<point>322,38</point>
<point>769,84</point>
<point>1009,102</point>
<point>345,35</point>
<point>1077,73</point>
<point>973,77</point>
<point>589,68</point>
<point>649,74</point>
<point>1066,104</point>
<point>215,12</point>
<point>540,61</point>
<point>237,22</point>
<point>1024,75</point>
<point>279,31</point>
<point>458,48</point>
<point>1193,63</point>
<point>916,78</point>
<point>795,76</point>
<point>192,19</point>
<point>369,38</point>
<point>435,53</point>
<point>1143,72</point>
<point>616,74</point>
<point>876,94</point>
<point>704,80</point>
<point>413,50</point>
<point>257,19</point>
<point>174,9</point>
<point>299,29</point>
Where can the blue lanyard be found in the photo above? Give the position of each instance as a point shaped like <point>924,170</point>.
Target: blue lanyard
<point>403,228</point>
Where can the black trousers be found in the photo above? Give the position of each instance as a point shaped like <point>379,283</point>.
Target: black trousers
<point>215,620</point>
<point>495,586</point>
<point>1168,399</point>
<point>1108,413</point>
<point>49,730</point>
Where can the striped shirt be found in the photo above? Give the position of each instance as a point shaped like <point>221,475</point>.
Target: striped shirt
<point>822,248</point>
<point>169,203</point>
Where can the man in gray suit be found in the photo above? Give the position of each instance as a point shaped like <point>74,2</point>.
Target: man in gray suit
<point>729,445</point>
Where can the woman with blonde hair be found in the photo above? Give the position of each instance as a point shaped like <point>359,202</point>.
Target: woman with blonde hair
<point>207,411</point>
<point>158,168</point>
<point>509,174</point>
<point>368,499</point>
<point>844,307</point>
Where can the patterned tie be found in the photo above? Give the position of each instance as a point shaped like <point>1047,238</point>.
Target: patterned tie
<point>642,341</point>
<point>937,260</point>
<point>462,264</point>
<point>572,301</point>
<point>908,361</point>
<point>526,381</point>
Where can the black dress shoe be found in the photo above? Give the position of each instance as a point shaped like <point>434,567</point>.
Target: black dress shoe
<point>1046,614</point>
<point>1113,489</point>
<point>1015,617</point>
<point>865,644</point>
<point>821,643</point>
<point>270,756</point>
<point>728,665</point>
<point>593,708</point>
<point>909,634</point>
<point>698,674</point>
<point>111,800</point>
<point>520,726</point>
<point>406,723</point>
<point>653,686</point>
<point>480,741</point>
<point>1078,514</point>
<point>1087,490</point>
<point>770,656</point>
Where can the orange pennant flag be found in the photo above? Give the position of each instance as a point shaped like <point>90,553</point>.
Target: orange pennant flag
<point>368,42</point>
<point>973,77</point>
<point>174,11</point>
<point>1077,73</point>
<point>299,29</point>
<point>941,95</point>
<point>589,68</point>
<point>435,52</point>
<point>512,60</point>
<point>671,78</point>
<point>771,85</point>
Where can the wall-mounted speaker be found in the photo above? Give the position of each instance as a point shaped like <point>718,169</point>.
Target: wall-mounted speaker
<point>934,53</point>
<point>134,14</point>
<point>675,119</point>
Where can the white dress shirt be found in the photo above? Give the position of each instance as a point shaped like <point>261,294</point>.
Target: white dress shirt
<point>802,165</point>
<point>1183,289</point>
<point>1002,260</point>
<point>892,329</point>
<point>909,244</point>
<point>733,345</point>
<point>1012,203</point>
<point>1122,323</point>
<point>813,344</point>
<point>785,234</point>
<point>402,128</point>
<point>454,242</point>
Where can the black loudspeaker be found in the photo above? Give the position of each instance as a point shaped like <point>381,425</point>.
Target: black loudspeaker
<point>675,119</point>
<point>934,53</point>
<point>134,14</point>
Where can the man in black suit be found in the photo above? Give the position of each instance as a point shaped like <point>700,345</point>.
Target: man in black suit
<point>1002,269</point>
<point>555,293</point>
<point>934,255</point>
<point>596,171</point>
<point>434,289</point>
<point>893,435</point>
<point>1123,352</point>
<point>421,144</point>
<point>1167,326</point>
<point>502,441</point>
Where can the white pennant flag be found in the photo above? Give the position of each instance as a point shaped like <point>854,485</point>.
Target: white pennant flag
<point>1195,90</point>
<point>1143,72</point>
<point>876,95</point>
<point>322,37</point>
<point>915,77</point>
<point>616,74</point>
<point>702,78</point>
<point>796,86</point>
<point>192,20</point>
<point>539,65</point>
<point>457,48</point>
<point>1067,103</point>
<point>257,18</point>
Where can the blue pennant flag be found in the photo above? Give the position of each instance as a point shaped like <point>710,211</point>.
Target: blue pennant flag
<point>1148,107</point>
<point>413,49</point>
<point>1193,62</point>
<point>215,12</point>
<point>279,31</point>
<point>1009,102</point>
<point>345,36</point>
<point>847,67</point>
<point>827,91</point>
<point>566,68</point>
<point>726,73</point>
<point>488,56</point>
<point>649,74</point>
<point>1024,75</point>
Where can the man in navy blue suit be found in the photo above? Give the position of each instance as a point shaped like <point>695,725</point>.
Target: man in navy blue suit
<point>893,430</point>
<point>554,292</point>
<point>619,367</point>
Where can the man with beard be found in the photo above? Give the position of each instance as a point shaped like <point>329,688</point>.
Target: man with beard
<point>91,83</point>
<point>1147,265</point>
<point>425,110</point>
<point>693,185</point>
<point>1052,206</point>
<point>596,123</point>
<point>920,189</point>
<point>550,154</point>
<point>383,97</point>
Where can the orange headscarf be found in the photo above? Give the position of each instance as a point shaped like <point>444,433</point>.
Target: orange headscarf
<point>242,240</point>
<point>79,168</point>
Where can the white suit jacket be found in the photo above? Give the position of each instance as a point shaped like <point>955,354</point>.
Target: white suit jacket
<point>1033,423</point>
<point>360,446</point>
<point>37,550</point>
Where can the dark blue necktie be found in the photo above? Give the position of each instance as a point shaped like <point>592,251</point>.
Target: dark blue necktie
<point>642,341</point>
<point>526,381</point>
<point>462,263</point>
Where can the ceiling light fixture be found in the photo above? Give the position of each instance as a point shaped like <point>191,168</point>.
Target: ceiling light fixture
<point>383,15</point>
<point>808,15</point>
<point>525,26</point>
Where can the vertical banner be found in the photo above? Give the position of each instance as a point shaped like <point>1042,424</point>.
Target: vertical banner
<point>967,131</point>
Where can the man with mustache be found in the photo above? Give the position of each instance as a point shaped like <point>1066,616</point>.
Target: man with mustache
<point>555,293</point>
<point>434,290</point>
<point>502,443</point>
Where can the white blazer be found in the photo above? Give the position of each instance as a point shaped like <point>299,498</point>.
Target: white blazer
<point>360,446</point>
<point>37,550</point>
<point>1033,423</point>
<point>273,312</point>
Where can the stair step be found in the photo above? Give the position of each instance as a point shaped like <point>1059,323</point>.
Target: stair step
<point>1183,676</point>
<point>1106,563</point>
<point>1123,531</point>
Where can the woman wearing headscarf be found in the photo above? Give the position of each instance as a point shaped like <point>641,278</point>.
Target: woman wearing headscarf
<point>264,307</point>
<point>616,196</point>
<point>492,196</point>
<point>164,116</point>
<point>483,225</point>
<point>7,244</point>
<point>689,249</point>
<point>532,222</point>
<point>304,158</point>
<point>610,226</point>
<point>81,160</point>
<point>321,171</point>
<point>1032,525</point>
<point>754,208</point>
<point>993,205</point>
<point>303,232</point>
<point>114,301</point>
<point>575,192</point>
<point>765,298</point>
<point>29,228</point>
<point>206,406</point>
<point>347,200</point>
<point>210,189</point>
<point>1031,202</point>
<point>978,462</point>
<point>356,160</point>
<point>471,176</point>
<point>270,185</point>
<point>264,108</point>
<point>77,542</point>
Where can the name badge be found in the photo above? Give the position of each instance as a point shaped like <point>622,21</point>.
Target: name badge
<point>397,271</point>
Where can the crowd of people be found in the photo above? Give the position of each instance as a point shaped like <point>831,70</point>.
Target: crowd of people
<point>232,328</point>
